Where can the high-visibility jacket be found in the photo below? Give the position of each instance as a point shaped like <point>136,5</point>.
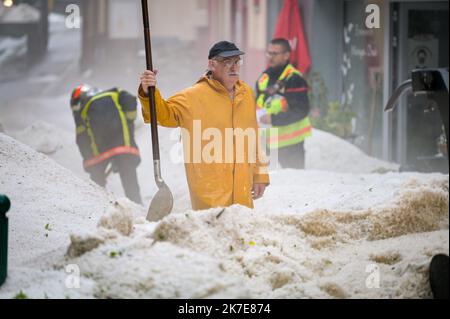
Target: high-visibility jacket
<point>287,104</point>
<point>105,127</point>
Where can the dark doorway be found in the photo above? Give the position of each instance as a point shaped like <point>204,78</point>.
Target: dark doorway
<point>422,35</point>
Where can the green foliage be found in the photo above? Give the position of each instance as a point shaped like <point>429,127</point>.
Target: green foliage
<point>114,254</point>
<point>338,119</point>
<point>329,116</point>
<point>21,295</point>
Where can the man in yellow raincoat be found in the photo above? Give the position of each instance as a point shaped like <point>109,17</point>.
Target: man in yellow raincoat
<point>224,162</point>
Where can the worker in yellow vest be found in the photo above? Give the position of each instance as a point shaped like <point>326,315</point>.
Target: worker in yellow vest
<point>104,123</point>
<point>283,106</point>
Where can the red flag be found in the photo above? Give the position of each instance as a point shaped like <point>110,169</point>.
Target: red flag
<point>289,26</point>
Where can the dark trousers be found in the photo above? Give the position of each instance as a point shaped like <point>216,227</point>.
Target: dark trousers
<point>126,167</point>
<point>292,156</point>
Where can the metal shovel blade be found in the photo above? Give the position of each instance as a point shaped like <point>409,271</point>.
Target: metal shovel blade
<point>161,205</point>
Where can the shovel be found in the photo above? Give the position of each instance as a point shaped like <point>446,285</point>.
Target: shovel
<point>162,202</point>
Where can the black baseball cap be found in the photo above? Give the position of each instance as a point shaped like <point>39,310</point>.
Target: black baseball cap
<point>224,49</point>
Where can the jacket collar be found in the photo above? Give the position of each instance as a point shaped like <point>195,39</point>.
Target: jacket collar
<point>219,88</point>
<point>275,72</point>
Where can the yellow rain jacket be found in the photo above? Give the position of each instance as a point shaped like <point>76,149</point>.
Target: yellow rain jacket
<point>221,165</point>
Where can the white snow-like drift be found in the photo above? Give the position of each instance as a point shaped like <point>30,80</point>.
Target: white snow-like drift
<point>315,234</point>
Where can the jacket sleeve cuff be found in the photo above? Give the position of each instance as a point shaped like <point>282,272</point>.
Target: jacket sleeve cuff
<point>142,95</point>
<point>141,92</point>
<point>261,179</point>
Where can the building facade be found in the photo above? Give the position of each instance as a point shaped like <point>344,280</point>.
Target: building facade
<point>359,65</point>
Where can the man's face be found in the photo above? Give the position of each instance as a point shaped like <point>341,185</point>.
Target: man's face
<point>277,56</point>
<point>226,70</point>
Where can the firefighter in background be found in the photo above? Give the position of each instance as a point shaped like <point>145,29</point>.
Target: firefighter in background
<point>283,106</point>
<point>105,135</point>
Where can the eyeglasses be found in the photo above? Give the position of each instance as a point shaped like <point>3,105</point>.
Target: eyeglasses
<point>228,63</point>
<point>270,54</point>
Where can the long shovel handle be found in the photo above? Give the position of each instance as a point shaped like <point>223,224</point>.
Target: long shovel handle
<point>151,89</point>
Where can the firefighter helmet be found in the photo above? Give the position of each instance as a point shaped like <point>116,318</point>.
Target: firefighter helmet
<point>79,96</point>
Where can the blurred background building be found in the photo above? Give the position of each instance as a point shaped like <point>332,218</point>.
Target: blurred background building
<point>353,69</point>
